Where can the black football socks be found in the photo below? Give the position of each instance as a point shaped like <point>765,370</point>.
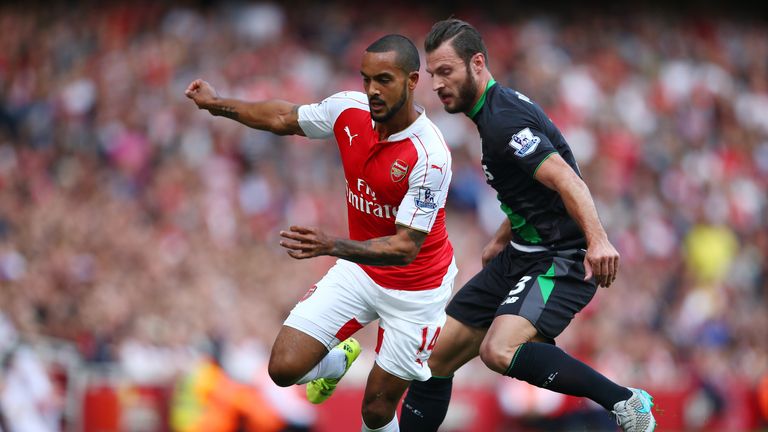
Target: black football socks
<point>426,404</point>
<point>547,366</point>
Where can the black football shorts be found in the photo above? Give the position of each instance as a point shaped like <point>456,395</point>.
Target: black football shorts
<point>546,288</point>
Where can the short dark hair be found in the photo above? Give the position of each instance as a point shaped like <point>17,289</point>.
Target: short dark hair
<point>407,55</point>
<point>464,38</point>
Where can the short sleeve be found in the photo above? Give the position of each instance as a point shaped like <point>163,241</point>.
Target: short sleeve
<point>427,192</point>
<point>317,119</point>
<point>529,148</point>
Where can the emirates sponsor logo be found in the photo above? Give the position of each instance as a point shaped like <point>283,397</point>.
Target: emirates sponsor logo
<point>364,200</point>
<point>398,170</point>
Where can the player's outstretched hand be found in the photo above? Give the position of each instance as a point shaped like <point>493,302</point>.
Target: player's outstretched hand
<point>202,93</point>
<point>307,242</point>
<point>602,261</point>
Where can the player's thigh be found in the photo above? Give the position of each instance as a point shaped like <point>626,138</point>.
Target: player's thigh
<point>548,290</point>
<point>335,308</point>
<point>476,303</point>
<point>458,343</point>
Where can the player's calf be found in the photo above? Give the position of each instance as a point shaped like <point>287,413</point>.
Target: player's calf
<point>426,404</point>
<point>382,394</point>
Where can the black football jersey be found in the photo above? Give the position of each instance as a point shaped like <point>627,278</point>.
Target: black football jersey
<point>517,137</point>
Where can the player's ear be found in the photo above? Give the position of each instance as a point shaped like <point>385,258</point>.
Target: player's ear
<point>478,62</point>
<point>413,79</point>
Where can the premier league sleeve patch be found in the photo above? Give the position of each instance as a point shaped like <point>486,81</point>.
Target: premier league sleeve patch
<point>524,142</point>
<point>426,199</point>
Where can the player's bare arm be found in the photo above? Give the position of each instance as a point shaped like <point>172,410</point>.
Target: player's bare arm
<point>602,259</point>
<point>499,241</point>
<point>398,249</point>
<point>276,116</point>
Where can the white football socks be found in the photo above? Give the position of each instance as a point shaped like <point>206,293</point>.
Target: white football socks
<point>392,426</point>
<point>332,365</point>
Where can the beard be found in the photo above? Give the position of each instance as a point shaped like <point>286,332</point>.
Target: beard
<point>467,95</point>
<point>395,108</point>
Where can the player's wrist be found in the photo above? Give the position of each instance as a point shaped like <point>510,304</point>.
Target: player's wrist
<point>598,238</point>
<point>334,248</point>
<point>212,103</point>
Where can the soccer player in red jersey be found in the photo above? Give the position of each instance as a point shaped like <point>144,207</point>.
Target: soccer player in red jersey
<point>397,264</point>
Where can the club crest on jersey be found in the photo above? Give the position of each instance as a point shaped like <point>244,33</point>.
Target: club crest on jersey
<point>426,199</point>
<point>524,142</point>
<point>398,170</point>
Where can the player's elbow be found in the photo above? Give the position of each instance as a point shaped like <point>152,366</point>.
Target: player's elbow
<point>280,126</point>
<point>406,245</point>
<point>567,183</point>
<point>410,257</point>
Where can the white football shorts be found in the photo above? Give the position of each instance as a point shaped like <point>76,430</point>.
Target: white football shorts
<point>346,299</point>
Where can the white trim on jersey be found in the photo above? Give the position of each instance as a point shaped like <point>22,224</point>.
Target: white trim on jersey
<point>429,179</point>
<point>317,119</point>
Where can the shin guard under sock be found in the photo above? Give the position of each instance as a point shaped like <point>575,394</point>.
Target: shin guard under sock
<point>426,404</point>
<point>547,366</point>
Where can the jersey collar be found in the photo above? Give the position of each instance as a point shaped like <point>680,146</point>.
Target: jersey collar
<point>415,126</point>
<point>481,102</point>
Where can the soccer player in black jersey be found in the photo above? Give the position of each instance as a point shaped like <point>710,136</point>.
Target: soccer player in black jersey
<point>544,263</point>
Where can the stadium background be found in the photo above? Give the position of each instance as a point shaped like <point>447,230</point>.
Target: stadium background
<point>138,246</point>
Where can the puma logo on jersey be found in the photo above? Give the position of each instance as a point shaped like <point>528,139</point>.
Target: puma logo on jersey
<point>349,134</point>
<point>439,168</point>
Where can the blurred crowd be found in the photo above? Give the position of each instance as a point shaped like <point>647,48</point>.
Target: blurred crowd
<point>145,231</point>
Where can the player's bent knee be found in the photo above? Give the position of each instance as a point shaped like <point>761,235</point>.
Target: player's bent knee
<point>440,366</point>
<point>283,374</point>
<point>497,356</point>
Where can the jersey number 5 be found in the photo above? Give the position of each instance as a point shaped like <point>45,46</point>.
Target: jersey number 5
<point>488,174</point>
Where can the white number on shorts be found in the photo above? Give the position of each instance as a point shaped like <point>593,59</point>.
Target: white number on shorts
<point>511,297</point>
<point>520,285</point>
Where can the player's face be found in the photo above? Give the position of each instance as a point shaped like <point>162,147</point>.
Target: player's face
<point>452,79</point>
<point>387,86</point>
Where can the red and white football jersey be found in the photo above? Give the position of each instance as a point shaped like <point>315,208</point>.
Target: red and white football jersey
<point>401,180</point>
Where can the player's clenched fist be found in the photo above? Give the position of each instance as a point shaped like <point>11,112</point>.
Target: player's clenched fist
<point>202,93</point>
